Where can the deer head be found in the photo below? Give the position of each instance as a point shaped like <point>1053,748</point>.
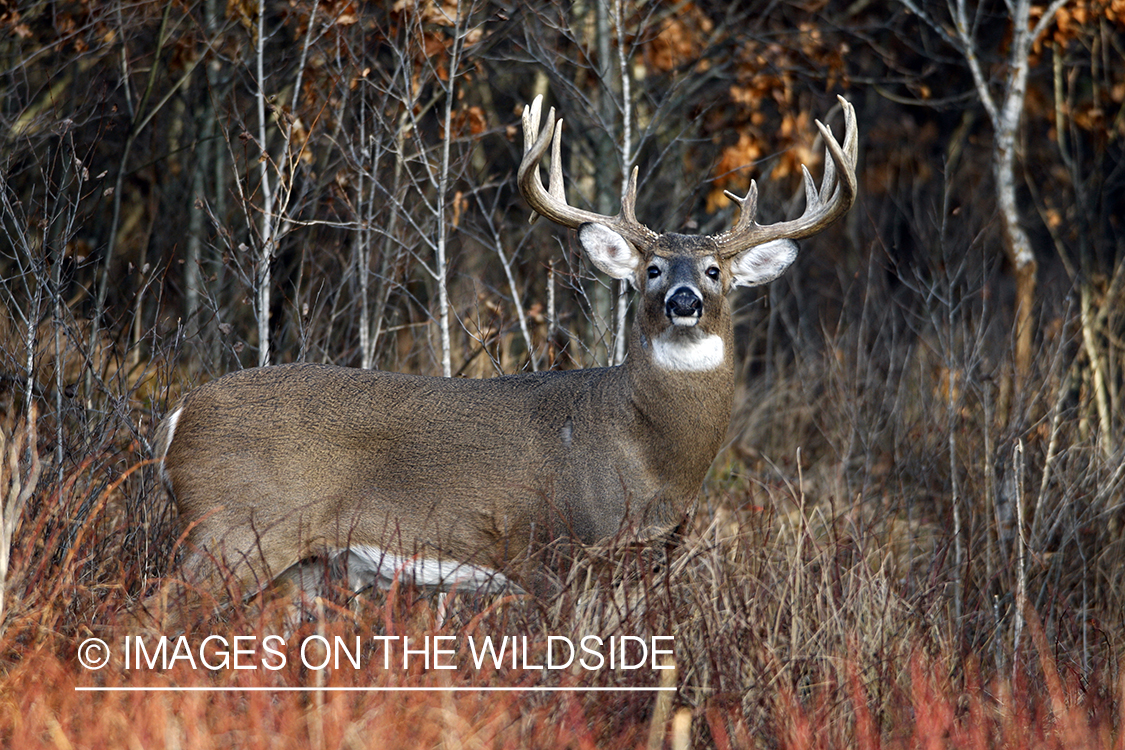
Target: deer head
<point>684,279</point>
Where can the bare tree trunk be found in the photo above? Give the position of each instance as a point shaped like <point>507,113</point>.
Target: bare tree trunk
<point>1017,247</point>
<point>605,183</point>
<point>620,330</point>
<point>262,280</point>
<point>15,490</point>
<point>276,196</point>
<point>612,301</point>
<point>194,259</point>
<point>441,261</point>
<point>1004,112</point>
<point>204,163</point>
<point>362,236</point>
<point>1005,118</point>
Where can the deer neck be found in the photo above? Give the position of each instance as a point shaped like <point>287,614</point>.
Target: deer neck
<point>683,388</point>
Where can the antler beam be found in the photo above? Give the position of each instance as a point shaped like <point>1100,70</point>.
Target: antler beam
<point>822,207</point>
<point>551,202</point>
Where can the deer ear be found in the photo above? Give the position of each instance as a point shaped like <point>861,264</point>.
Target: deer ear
<point>608,250</point>
<point>763,263</point>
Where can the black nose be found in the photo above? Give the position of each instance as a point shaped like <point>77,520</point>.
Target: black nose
<point>685,303</point>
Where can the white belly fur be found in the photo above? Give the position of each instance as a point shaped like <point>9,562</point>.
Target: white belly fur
<point>371,566</point>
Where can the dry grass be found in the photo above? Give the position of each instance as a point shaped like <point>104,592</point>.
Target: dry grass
<point>816,603</point>
<point>887,556</point>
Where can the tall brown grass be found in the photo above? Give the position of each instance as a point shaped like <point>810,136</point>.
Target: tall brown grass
<point>817,602</point>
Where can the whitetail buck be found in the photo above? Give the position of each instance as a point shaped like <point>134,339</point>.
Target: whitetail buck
<point>458,482</point>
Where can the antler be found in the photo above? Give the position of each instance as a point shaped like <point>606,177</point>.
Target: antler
<point>551,203</point>
<point>822,207</point>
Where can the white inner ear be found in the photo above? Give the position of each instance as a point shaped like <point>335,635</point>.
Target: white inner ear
<point>763,263</point>
<point>608,250</point>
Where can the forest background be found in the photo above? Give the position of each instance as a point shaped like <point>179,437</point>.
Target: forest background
<point>915,533</point>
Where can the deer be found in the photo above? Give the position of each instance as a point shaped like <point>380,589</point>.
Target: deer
<point>453,482</point>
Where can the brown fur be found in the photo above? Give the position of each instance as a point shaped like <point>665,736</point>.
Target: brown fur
<point>272,465</point>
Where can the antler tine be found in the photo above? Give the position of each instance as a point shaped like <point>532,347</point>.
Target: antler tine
<point>530,120</point>
<point>747,208</point>
<point>844,156</point>
<point>534,145</point>
<point>551,202</point>
<point>555,185</point>
<point>822,207</point>
<point>629,200</point>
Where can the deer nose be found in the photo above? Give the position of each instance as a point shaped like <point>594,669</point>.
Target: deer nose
<point>685,305</point>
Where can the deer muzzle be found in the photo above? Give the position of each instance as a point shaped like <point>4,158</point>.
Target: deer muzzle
<point>684,307</point>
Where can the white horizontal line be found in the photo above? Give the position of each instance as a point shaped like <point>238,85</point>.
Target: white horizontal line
<point>285,689</point>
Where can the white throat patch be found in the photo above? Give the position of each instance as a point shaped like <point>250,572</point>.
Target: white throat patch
<point>695,355</point>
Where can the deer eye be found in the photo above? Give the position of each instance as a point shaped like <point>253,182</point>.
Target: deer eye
<point>713,273</point>
<point>653,272</point>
